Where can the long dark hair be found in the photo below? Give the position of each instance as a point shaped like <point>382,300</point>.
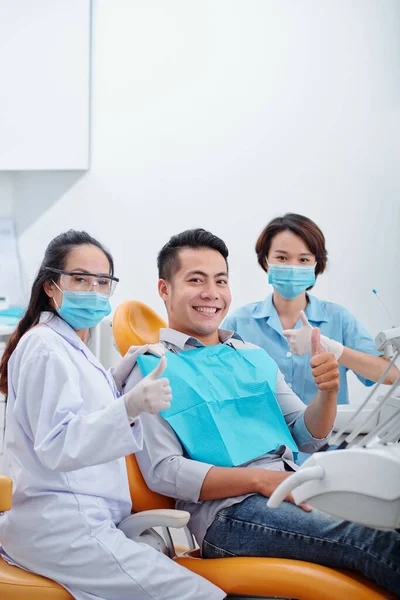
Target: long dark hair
<point>55,257</point>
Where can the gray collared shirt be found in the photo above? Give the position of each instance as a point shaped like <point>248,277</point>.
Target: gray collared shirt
<point>168,470</point>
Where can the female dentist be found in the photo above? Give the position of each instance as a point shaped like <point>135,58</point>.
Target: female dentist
<point>291,249</point>
<point>68,431</point>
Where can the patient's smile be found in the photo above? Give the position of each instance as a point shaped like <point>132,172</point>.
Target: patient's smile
<point>208,310</point>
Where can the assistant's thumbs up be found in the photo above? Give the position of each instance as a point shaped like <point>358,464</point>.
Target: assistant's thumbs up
<point>316,342</point>
<point>304,320</point>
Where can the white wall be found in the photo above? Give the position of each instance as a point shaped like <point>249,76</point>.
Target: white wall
<point>226,114</point>
<point>6,195</point>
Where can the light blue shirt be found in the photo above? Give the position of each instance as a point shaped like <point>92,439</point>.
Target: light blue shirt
<point>259,324</point>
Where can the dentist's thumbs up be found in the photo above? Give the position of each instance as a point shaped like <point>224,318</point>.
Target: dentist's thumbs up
<point>150,395</point>
<point>159,370</point>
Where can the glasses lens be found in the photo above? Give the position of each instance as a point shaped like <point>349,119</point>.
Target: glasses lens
<point>113,285</point>
<point>80,282</point>
<point>103,285</point>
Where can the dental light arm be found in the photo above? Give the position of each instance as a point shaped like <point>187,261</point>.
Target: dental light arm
<point>360,483</point>
<point>352,436</point>
<point>337,436</point>
<point>387,340</point>
<point>392,434</point>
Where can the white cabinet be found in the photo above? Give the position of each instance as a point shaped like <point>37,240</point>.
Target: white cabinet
<point>44,84</point>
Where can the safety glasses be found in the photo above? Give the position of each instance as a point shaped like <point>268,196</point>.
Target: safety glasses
<point>76,281</point>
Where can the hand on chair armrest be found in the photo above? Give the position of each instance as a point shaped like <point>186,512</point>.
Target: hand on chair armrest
<point>5,493</point>
<point>134,525</point>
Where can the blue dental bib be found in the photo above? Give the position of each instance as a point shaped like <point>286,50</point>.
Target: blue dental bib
<point>224,409</point>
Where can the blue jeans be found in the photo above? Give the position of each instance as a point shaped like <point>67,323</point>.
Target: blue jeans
<point>250,528</point>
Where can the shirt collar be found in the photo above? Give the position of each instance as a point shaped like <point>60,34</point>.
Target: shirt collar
<point>315,309</point>
<point>264,309</point>
<point>65,331</point>
<point>179,339</point>
<point>62,328</point>
<point>267,310</point>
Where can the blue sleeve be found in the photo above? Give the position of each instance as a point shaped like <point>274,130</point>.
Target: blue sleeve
<point>230,322</point>
<point>356,337</point>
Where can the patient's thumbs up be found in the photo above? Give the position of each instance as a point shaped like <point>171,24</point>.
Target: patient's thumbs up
<point>159,370</point>
<point>324,366</point>
<point>316,342</point>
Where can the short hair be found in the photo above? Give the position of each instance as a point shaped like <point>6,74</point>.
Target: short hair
<point>168,258</point>
<point>302,226</point>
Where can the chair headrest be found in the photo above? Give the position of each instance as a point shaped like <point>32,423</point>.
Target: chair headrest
<point>135,324</point>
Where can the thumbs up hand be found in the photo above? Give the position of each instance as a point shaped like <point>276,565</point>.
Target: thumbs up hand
<point>122,371</point>
<point>150,395</point>
<point>325,368</point>
<point>316,342</point>
<point>300,339</point>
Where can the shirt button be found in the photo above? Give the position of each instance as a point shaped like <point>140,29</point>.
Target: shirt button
<point>288,354</point>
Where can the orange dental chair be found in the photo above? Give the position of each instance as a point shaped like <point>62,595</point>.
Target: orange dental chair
<point>246,577</point>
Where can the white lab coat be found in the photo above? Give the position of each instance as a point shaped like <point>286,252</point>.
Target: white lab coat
<point>67,433</point>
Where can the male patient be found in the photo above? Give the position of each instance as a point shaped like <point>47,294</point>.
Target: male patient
<point>229,437</point>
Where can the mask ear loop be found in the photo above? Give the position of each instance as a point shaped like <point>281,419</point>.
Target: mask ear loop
<point>53,298</point>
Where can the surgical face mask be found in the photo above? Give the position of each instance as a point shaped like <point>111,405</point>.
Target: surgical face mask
<point>291,280</point>
<point>82,310</point>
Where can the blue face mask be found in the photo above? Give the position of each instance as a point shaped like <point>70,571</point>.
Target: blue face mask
<point>291,280</point>
<point>82,310</point>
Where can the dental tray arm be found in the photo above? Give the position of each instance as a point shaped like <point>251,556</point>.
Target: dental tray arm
<point>358,484</point>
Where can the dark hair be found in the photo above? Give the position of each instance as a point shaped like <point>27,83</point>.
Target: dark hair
<point>55,257</point>
<point>168,257</point>
<point>306,229</point>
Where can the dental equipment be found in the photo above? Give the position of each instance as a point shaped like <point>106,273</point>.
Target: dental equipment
<point>360,481</point>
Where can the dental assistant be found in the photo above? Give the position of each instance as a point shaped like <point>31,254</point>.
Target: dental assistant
<point>291,249</point>
<point>68,430</point>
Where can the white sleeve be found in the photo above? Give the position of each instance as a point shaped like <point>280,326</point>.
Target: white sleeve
<point>48,406</point>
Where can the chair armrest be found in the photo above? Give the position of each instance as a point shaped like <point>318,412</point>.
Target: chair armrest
<point>134,525</point>
<point>5,493</point>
